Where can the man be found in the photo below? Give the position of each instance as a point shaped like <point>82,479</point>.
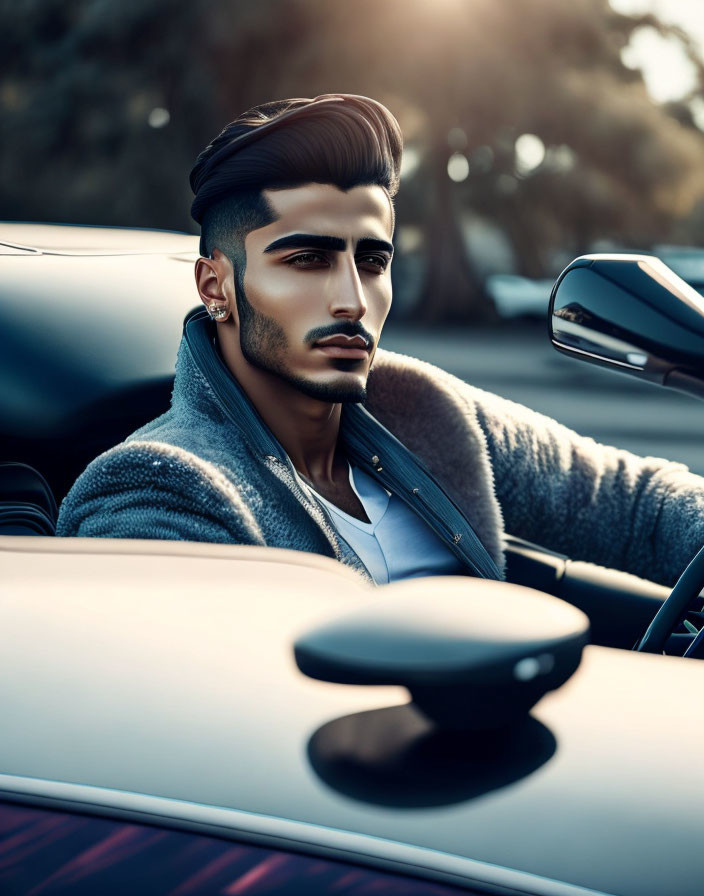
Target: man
<point>287,428</point>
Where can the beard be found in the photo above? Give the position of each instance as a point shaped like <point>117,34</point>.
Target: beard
<point>263,343</point>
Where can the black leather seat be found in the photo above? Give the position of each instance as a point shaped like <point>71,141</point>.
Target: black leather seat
<point>27,505</point>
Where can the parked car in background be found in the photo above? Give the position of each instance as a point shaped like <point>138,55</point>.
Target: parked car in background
<point>519,297</point>
<point>686,261</point>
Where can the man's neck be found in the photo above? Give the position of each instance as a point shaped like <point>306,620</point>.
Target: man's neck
<point>306,428</point>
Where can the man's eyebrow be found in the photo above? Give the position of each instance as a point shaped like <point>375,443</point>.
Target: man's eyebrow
<point>327,243</point>
<point>368,244</point>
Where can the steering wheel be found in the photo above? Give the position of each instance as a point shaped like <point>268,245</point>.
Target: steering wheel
<point>683,595</point>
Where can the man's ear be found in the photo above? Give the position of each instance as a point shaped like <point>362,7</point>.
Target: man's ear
<point>215,282</point>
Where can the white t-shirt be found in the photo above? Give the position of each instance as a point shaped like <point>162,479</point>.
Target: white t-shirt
<point>396,543</point>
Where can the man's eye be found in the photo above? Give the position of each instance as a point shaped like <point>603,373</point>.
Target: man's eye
<point>304,259</point>
<point>377,261</point>
<point>313,259</point>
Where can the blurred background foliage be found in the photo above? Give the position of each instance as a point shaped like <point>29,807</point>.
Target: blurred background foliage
<point>529,140</point>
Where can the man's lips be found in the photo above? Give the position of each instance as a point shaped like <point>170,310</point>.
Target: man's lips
<point>341,346</point>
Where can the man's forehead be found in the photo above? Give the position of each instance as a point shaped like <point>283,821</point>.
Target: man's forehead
<point>326,209</point>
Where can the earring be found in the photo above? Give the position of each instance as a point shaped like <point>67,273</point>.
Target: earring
<point>217,312</point>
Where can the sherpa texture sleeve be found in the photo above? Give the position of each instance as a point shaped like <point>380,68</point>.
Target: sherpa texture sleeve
<point>594,502</point>
<point>156,491</point>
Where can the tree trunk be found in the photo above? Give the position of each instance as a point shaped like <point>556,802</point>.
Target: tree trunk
<point>452,291</point>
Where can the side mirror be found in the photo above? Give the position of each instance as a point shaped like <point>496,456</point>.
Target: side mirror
<point>631,313</point>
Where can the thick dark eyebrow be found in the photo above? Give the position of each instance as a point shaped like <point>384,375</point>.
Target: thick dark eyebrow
<point>327,243</point>
<point>371,244</point>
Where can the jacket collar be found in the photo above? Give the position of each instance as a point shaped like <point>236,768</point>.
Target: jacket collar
<point>199,334</point>
<point>204,381</point>
<point>377,450</point>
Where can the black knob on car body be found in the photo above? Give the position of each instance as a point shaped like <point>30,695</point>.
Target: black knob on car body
<point>473,653</point>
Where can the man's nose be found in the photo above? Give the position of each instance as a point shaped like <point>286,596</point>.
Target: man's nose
<point>348,299</point>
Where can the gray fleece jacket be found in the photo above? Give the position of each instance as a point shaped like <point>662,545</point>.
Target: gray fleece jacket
<point>209,470</point>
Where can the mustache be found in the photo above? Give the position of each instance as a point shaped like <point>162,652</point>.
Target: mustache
<point>343,328</point>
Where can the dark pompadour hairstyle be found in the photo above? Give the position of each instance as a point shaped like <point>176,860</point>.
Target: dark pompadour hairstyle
<point>337,139</point>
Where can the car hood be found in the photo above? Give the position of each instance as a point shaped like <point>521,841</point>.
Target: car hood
<point>168,669</point>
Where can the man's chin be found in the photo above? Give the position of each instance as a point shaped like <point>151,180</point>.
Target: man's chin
<point>336,392</point>
<point>339,389</point>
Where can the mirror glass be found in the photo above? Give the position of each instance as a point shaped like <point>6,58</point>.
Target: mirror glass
<point>630,312</point>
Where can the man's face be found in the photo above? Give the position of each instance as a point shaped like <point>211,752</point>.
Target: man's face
<point>317,288</point>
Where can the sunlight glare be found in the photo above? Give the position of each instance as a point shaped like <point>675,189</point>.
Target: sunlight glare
<point>666,70</point>
<point>458,167</point>
<point>672,76</point>
<point>159,117</point>
<point>530,152</point>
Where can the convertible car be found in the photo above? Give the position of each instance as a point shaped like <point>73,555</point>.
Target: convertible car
<point>191,718</point>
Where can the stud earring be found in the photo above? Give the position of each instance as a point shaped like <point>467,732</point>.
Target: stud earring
<point>217,312</point>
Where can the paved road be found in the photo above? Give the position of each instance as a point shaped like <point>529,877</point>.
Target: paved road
<point>519,363</point>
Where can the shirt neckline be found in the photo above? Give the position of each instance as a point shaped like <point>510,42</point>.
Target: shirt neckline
<point>368,528</point>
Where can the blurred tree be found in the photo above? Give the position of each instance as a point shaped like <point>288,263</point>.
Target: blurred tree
<point>617,166</point>
<point>102,106</point>
<point>106,106</point>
